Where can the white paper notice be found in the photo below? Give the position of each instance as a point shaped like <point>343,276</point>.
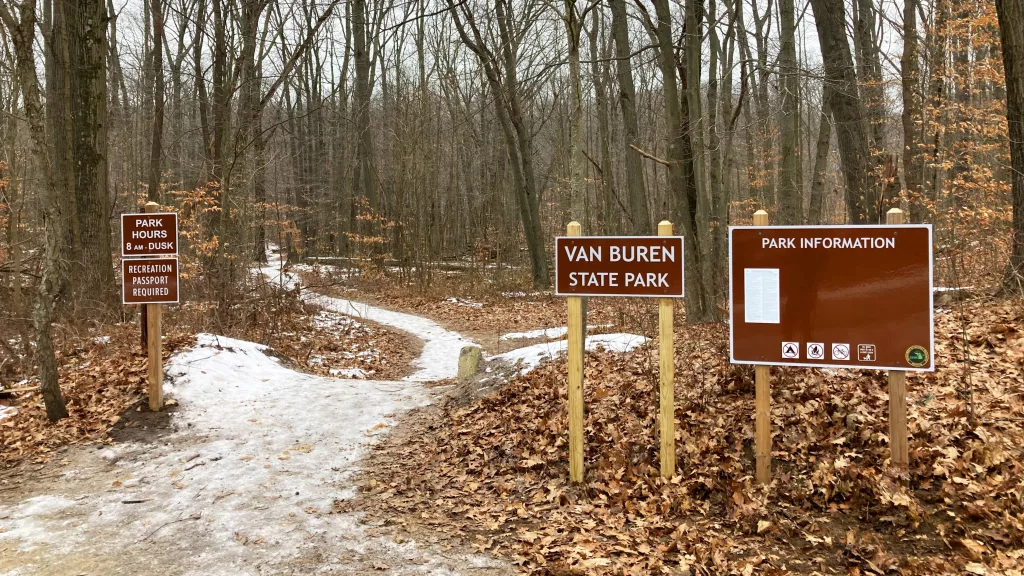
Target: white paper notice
<point>761,295</point>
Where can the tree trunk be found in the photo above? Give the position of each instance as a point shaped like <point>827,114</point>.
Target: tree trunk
<point>680,169</point>
<point>609,217</point>
<point>51,285</point>
<point>1011,32</point>
<point>820,162</point>
<point>367,176</point>
<point>847,109</point>
<point>639,216</point>
<point>791,206</point>
<point>156,152</point>
<point>503,80</point>
<point>913,115</point>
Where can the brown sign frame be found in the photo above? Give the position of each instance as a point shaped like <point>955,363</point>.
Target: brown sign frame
<point>134,261</point>
<point>559,240</point>
<point>798,362</point>
<point>135,254</point>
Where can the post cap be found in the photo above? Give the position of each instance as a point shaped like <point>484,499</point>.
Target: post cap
<point>760,212</point>
<point>894,211</point>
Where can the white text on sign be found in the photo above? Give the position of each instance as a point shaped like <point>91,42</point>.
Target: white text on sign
<point>621,254</point>
<point>848,243</point>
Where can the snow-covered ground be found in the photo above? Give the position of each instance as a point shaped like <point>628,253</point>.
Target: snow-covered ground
<point>245,484</point>
<point>440,356</point>
<point>556,332</point>
<point>530,357</point>
<point>247,481</point>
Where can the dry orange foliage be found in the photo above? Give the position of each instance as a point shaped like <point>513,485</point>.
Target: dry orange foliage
<point>495,472</point>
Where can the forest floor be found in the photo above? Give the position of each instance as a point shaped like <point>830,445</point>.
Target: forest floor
<point>266,463</point>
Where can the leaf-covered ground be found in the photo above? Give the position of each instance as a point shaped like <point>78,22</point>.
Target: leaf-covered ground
<point>495,472</point>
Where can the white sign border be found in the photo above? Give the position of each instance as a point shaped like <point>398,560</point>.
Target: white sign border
<point>177,279</point>
<point>682,264</point>
<point>931,301</point>
<point>176,236</point>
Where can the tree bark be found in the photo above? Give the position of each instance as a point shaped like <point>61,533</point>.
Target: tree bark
<point>847,109</point>
<point>156,152</point>
<point>51,285</point>
<point>791,205</point>
<point>366,183</point>
<point>913,115</point>
<point>820,162</point>
<point>599,54</point>
<point>639,215</point>
<point>680,169</point>
<point>1011,32</point>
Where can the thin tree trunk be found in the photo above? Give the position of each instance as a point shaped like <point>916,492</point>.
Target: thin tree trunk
<point>1011,31</point>
<point>791,180</point>
<point>609,217</point>
<point>680,169</point>
<point>156,151</point>
<point>639,215</point>
<point>820,162</point>
<point>913,115</point>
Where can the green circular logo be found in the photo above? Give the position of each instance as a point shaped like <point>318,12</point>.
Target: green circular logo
<point>917,356</point>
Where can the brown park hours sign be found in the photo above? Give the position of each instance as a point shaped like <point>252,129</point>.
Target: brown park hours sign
<point>149,234</point>
<point>619,266</point>
<point>840,296</point>
<point>149,281</point>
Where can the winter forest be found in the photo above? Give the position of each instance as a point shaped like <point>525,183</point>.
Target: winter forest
<point>355,180</point>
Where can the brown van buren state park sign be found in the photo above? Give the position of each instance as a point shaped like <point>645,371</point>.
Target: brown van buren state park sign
<point>838,296</point>
<point>153,234</point>
<point>150,280</point>
<point>649,266</point>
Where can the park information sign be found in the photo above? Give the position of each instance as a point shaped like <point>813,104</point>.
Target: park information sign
<point>149,234</point>
<point>650,266</point>
<point>150,280</point>
<point>838,296</point>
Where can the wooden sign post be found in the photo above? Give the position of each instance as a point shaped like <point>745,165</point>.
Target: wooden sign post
<point>897,392</point>
<point>666,365</point>
<point>149,276</point>
<point>763,403</point>
<point>576,342</point>
<point>632,266</point>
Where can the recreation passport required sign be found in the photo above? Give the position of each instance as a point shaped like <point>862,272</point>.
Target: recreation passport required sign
<point>838,296</point>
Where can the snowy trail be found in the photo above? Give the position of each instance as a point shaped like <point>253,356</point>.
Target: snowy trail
<point>247,481</point>
<point>245,484</point>
<point>440,356</point>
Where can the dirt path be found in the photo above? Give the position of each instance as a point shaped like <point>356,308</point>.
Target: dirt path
<point>249,475</point>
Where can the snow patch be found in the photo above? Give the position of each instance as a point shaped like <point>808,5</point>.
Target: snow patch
<point>7,411</point>
<point>463,302</point>
<point>556,332</point>
<point>530,357</point>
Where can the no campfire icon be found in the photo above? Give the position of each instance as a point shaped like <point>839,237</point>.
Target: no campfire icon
<point>790,349</point>
<point>815,350</point>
